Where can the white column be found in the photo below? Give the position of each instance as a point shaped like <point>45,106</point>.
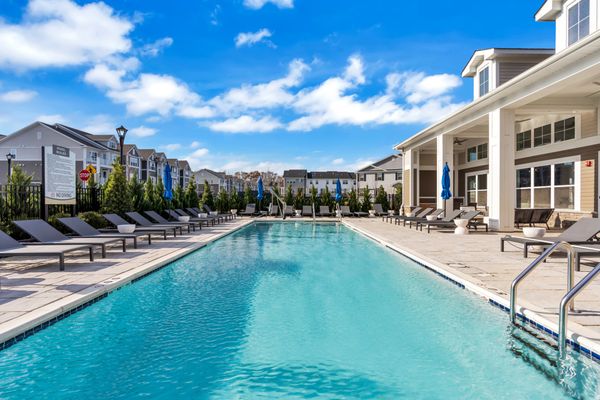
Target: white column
<point>408,182</point>
<point>445,154</point>
<point>501,177</point>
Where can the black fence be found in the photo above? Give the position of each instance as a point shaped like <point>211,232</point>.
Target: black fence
<point>25,202</point>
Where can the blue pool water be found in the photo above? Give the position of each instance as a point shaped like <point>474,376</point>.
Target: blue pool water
<point>289,311</point>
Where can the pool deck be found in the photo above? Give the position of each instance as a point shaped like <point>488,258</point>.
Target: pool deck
<point>34,292</point>
<point>475,261</point>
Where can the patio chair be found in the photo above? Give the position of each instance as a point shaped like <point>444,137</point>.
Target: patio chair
<point>541,216</point>
<point>345,210</point>
<point>140,220</point>
<point>582,232</point>
<point>523,216</point>
<point>435,213</point>
<point>217,217</point>
<point>307,211</point>
<point>361,214</point>
<point>9,247</point>
<point>250,210</point>
<point>117,220</point>
<point>47,235</point>
<point>274,211</point>
<point>225,216</point>
<point>378,208</point>
<point>415,211</point>
<point>324,211</point>
<point>446,222</point>
<point>420,217</point>
<point>84,229</point>
<point>194,217</point>
<point>288,211</point>
<point>159,219</point>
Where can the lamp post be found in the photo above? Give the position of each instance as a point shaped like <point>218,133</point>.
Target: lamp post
<point>9,158</point>
<point>121,132</point>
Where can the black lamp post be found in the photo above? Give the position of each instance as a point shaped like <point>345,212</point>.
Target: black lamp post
<point>121,132</point>
<point>9,158</point>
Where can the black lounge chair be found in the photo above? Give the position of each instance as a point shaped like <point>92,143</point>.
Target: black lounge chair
<point>195,212</point>
<point>274,211</point>
<point>116,220</point>
<point>216,217</point>
<point>175,214</point>
<point>378,208</point>
<point>84,229</point>
<point>9,247</point>
<point>361,214</point>
<point>220,215</point>
<point>541,216</point>
<point>159,219</point>
<point>345,210</point>
<point>142,221</point>
<point>523,216</point>
<point>417,220</point>
<point>307,211</point>
<point>46,234</point>
<point>446,222</point>
<point>582,232</point>
<point>420,217</point>
<point>288,211</point>
<point>250,210</point>
<point>324,211</point>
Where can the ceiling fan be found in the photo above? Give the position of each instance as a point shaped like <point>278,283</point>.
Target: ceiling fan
<point>459,141</point>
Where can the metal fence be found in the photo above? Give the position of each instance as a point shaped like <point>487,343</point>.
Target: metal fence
<point>25,202</point>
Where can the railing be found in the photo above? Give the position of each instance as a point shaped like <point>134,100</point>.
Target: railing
<point>280,200</point>
<point>568,299</point>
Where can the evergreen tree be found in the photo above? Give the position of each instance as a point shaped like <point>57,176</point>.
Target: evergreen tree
<point>117,198</point>
<point>382,198</point>
<point>398,197</point>
<point>158,199</point>
<point>248,198</point>
<point>178,197</point>
<point>148,198</point>
<point>365,206</point>
<point>289,196</point>
<point>18,199</point>
<point>222,202</point>
<point>234,200</point>
<point>136,191</point>
<point>207,197</point>
<point>299,199</point>
<point>326,198</point>
<point>353,200</point>
<point>314,196</point>
<point>191,195</point>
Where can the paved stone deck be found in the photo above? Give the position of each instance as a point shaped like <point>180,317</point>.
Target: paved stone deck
<point>35,291</point>
<point>477,259</point>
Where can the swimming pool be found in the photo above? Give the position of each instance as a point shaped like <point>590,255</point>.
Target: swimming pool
<point>289,310</point>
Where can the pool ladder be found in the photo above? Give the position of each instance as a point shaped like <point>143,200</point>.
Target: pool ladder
<point>567,303</point>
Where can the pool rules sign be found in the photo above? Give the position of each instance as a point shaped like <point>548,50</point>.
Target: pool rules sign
<point>59,175</point>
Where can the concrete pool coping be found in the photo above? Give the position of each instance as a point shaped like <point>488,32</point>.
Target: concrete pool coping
<point>578,336</point>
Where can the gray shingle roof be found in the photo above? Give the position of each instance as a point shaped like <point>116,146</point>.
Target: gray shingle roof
<point>331,175</point>
<point>294,173</point>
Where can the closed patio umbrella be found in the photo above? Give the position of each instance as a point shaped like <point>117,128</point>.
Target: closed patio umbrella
<point>446,194</point>
<point>168,181</point>
<point>260,191</point>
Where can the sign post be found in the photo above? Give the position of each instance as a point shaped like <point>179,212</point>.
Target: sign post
<point>58,177</point>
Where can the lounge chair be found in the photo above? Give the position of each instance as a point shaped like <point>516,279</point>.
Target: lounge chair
<point>446,222</point>
<point>324,211</point>
<point>361,214</point>
<point>142,221</point>
<point>84,229</point>
<point>420,217</point>
<point>417,220</point>
<point>345,210</point>
<point>159,219</point>
<point>116,220</point>
<point>523,216</point>
<point>582,232</point>
<point>217,217</point>
<point>9,247</point>
<point>46,234</point>
<point>378,208</point>
<point>250,210</point>
<point>541,216</point>
<point>193,218</point>
<point>274,211</point>
<point>220,215</point>
<point>307,211</point>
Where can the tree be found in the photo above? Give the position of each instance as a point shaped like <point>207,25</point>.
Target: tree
<point>136,191</point>
<point>159,196</point>
<point>179,197</point>
<point>299,199</point>
<point>222,202</point>
<point>191,195</point>
<point>289,195</point>
<point>382,198</point>
<point>353,200</point>
<point>18,198</point>
<point>234,200</point>
<point>117,198</point>
<point>248,199</point>
<point>326,197</point>
<point>314,196</point>
<point>207,197</point>
<point>365,206</point>
<point>148,198</point>
<point>398,200</point>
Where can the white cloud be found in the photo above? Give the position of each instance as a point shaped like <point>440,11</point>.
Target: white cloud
<point>251,38</point>
<point>170,147</point>
<point>197,158</point>
<point>195,144</point>
<point>18,96</point>
<point>245,124</point>
<point>247,166</point>
<point>104,77</point>
<point>338,161</point>
<point>142,131</point>
<point>418,87</point>
<point>154,49</point>
<point>52,118</point>
<point>56,33</point>
<point>258,4</point>
<point>100,124</point>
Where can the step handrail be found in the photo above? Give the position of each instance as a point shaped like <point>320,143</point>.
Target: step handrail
<point>542,257</point>
<point>282,203</point>
<point>569,298</point>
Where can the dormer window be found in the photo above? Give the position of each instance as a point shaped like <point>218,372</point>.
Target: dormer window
<point>579,21</point>
<point>484,81</point>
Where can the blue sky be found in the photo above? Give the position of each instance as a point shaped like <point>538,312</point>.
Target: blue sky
<point>250,84</point>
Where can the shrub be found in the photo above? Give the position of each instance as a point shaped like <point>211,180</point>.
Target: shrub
<point>53,220</point>
<point>136,191</point>
<point>289,196</point>
<point>248,199</point>
<point>207,197</point>
<point>94,218</point>
<point>299,199</point>
<point>148,198</point>
<point>314,196</point>
<point>326,198</point>
<point>191,195</point>
<point>352,201</point>
<point>382,198</point>
<point>116,197</point>
<point>222,202</point>
<point>365,206</point>
<point>235,201</point>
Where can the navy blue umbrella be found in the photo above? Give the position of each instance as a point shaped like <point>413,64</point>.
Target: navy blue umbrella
<point>261,189</point>
<point>168,181</point>
<point>338,191</point>
<point>446,194</point>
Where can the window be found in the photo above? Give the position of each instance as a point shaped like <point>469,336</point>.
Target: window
<point>542,135</point>
<point>93,156</point>
<point>379,176</point>
<point>564,130</point>
<point>112,145</point>
<point>472,154</point>
<point>579,21</point>
<point>547,186</point>
<point>399,176</point>
<point>478,152</point>
<point>484,81</point>
<point>344,182</point>
<point>477,189</point>
<point>523,140</point>
<point>362,177</point>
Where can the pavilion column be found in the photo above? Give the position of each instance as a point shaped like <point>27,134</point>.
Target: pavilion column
<point>408,179</point>
<point>501,176</point>
<point>445,154</point>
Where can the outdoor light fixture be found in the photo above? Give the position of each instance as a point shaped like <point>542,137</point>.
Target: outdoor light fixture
<point>121,132</point>
<point>9,158</point>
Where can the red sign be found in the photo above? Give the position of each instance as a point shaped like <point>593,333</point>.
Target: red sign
<point>589,163</point>
<point>84,175</point>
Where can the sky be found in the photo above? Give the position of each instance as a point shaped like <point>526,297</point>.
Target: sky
<point>240,85</point>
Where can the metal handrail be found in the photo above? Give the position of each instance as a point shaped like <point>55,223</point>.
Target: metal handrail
<point>314,215</point>
<point>283,205</point>
<point>569,298</point>
<point>542,257</point>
